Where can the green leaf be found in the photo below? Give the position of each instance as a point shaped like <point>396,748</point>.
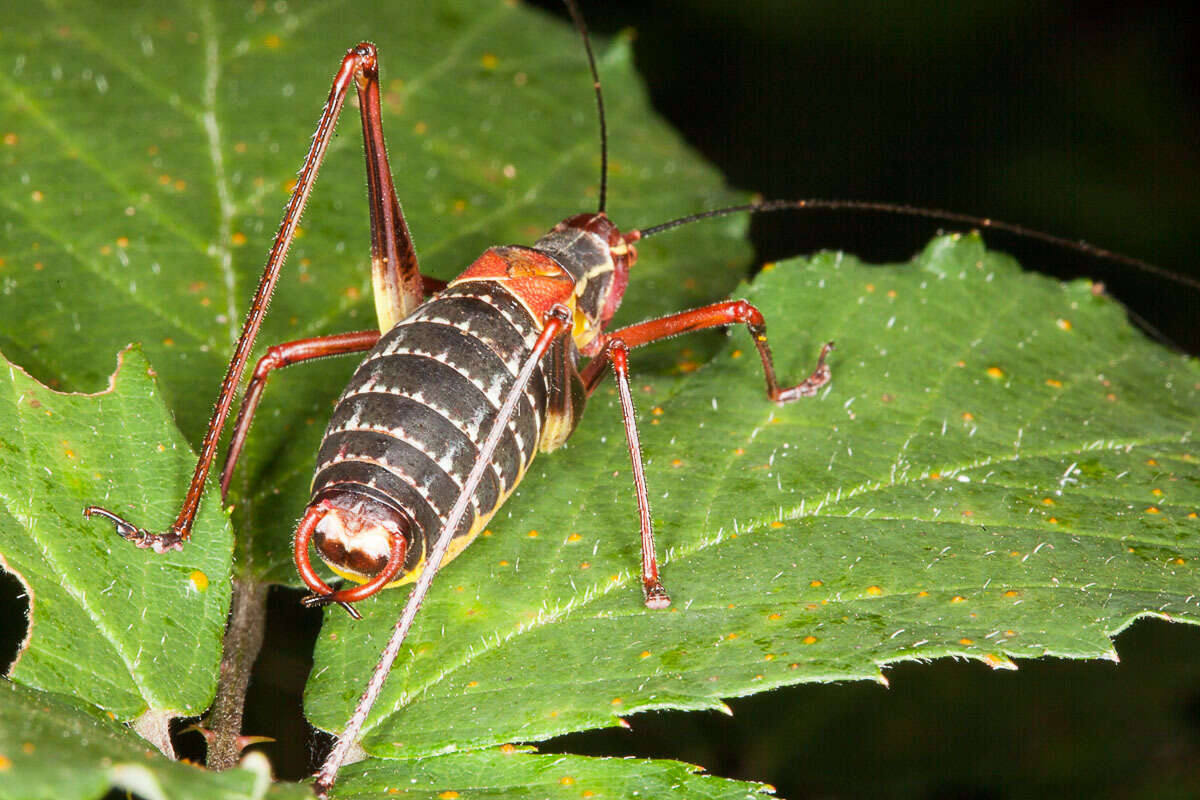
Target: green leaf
<point>52,748</point>
<point>128,630</point>
<point>519,774</point>
<point>1002,467</point>
<point>151,153</point>
<point>148,155</point>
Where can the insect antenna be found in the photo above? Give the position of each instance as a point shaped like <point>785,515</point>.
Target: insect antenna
<point>953,217</point>
<point>581,26</point>
<point>934,214</point>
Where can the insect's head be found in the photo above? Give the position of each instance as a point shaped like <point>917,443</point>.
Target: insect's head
<point>598,257</point>
<point>361,538</point>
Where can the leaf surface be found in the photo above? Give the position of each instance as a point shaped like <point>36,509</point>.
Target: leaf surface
<point>513,773</point>
<point>1001,468</point>
<point>53,749</point>
<point>128,630</point>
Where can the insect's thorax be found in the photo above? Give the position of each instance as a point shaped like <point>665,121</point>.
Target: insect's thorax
<point>591,249</point>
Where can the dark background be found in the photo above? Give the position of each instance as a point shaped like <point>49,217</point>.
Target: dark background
<point>1078,120</point>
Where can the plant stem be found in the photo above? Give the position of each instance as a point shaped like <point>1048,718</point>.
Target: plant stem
<point>243,640</point>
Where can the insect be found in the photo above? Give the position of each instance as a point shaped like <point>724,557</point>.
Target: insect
<point>379,530</point>
<point>462,385</point>
<point>408,428</point>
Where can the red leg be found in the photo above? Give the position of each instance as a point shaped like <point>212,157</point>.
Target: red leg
<point>729,312</point>
<point>617,353</point>
<point>395,274</point>
<point>282,355</point>
<point>398,282</point>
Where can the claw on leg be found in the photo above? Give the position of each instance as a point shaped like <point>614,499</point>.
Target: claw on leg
<point>318,600</point>
<point>158,542</point>
<point>655,594</point>
<point>809,386</point>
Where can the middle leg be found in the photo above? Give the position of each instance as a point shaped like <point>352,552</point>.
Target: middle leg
<point>282,355</point>
<point>655,594</point>
<point>616,353</point>
<point>728,312</point>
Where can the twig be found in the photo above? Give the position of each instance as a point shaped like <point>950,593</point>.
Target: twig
<point>243,640</point>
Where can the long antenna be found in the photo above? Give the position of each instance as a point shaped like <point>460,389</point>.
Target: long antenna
<point>928,213</point>
<point>581,26</point>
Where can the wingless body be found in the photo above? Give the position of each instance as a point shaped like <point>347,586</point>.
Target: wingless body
<point>407,429</point>
<point>462,385</point>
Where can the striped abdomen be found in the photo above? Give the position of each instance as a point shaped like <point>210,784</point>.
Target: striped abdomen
<point>407,428</point>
